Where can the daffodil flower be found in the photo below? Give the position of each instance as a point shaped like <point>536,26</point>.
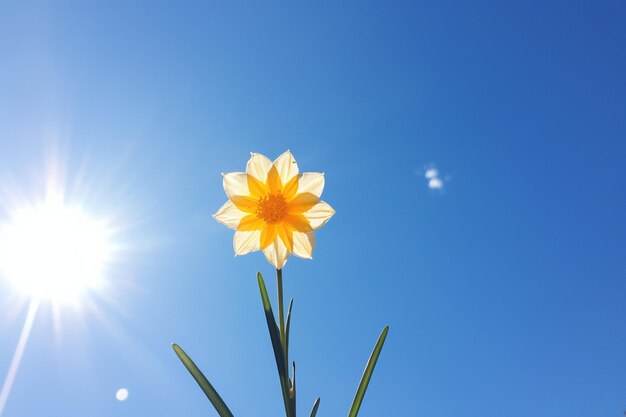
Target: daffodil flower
<point>274,208</point>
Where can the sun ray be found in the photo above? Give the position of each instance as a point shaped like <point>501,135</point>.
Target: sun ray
<point>19,352</point>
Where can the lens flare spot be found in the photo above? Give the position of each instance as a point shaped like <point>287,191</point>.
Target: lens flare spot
<point>121,394</point>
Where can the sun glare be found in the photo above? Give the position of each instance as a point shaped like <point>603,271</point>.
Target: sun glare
<point>53,251</point>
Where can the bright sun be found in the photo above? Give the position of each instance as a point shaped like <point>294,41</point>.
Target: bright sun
<point>53,251</point>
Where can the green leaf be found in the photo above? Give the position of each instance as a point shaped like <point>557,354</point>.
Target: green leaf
<point>206,386</point>
<point>293,387</point>
<point>367,374</point>
<point>315,407</point>
<point>278,348</point>
<point>287,331</point>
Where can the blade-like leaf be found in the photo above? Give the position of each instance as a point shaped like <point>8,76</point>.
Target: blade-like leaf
<point>287,331</point>
<point>315,407</point>
<point>293,387</point>
<point>367,374</point>
<point>278,348</point>
<point>206,386</point>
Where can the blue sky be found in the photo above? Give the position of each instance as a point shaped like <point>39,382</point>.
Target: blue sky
<point>504,290</point>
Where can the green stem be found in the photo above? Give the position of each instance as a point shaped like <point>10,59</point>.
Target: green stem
<point>281,310</point>
<point>279,354</point>
<point>283,336</point>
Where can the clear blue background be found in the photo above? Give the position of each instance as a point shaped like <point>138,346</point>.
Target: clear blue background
<point>505,292</point>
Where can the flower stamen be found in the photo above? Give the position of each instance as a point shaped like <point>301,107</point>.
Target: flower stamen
<point>272,209</point>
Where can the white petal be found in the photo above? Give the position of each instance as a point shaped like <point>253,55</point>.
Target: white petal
<point>229,215</point>
<point>277,254</point>
<point>319,214</point>
<point>258,166</point>
<point>303,244</point>
<point>311,182</point>
<point>246,242</point>
<point>236,183</point>
<point>286,166</point>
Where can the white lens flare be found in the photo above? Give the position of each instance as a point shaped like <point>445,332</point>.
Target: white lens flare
<point>53,251</point>
<point>121,394</point>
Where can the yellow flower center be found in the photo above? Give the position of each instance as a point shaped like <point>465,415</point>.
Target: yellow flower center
<point>272,209</point>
